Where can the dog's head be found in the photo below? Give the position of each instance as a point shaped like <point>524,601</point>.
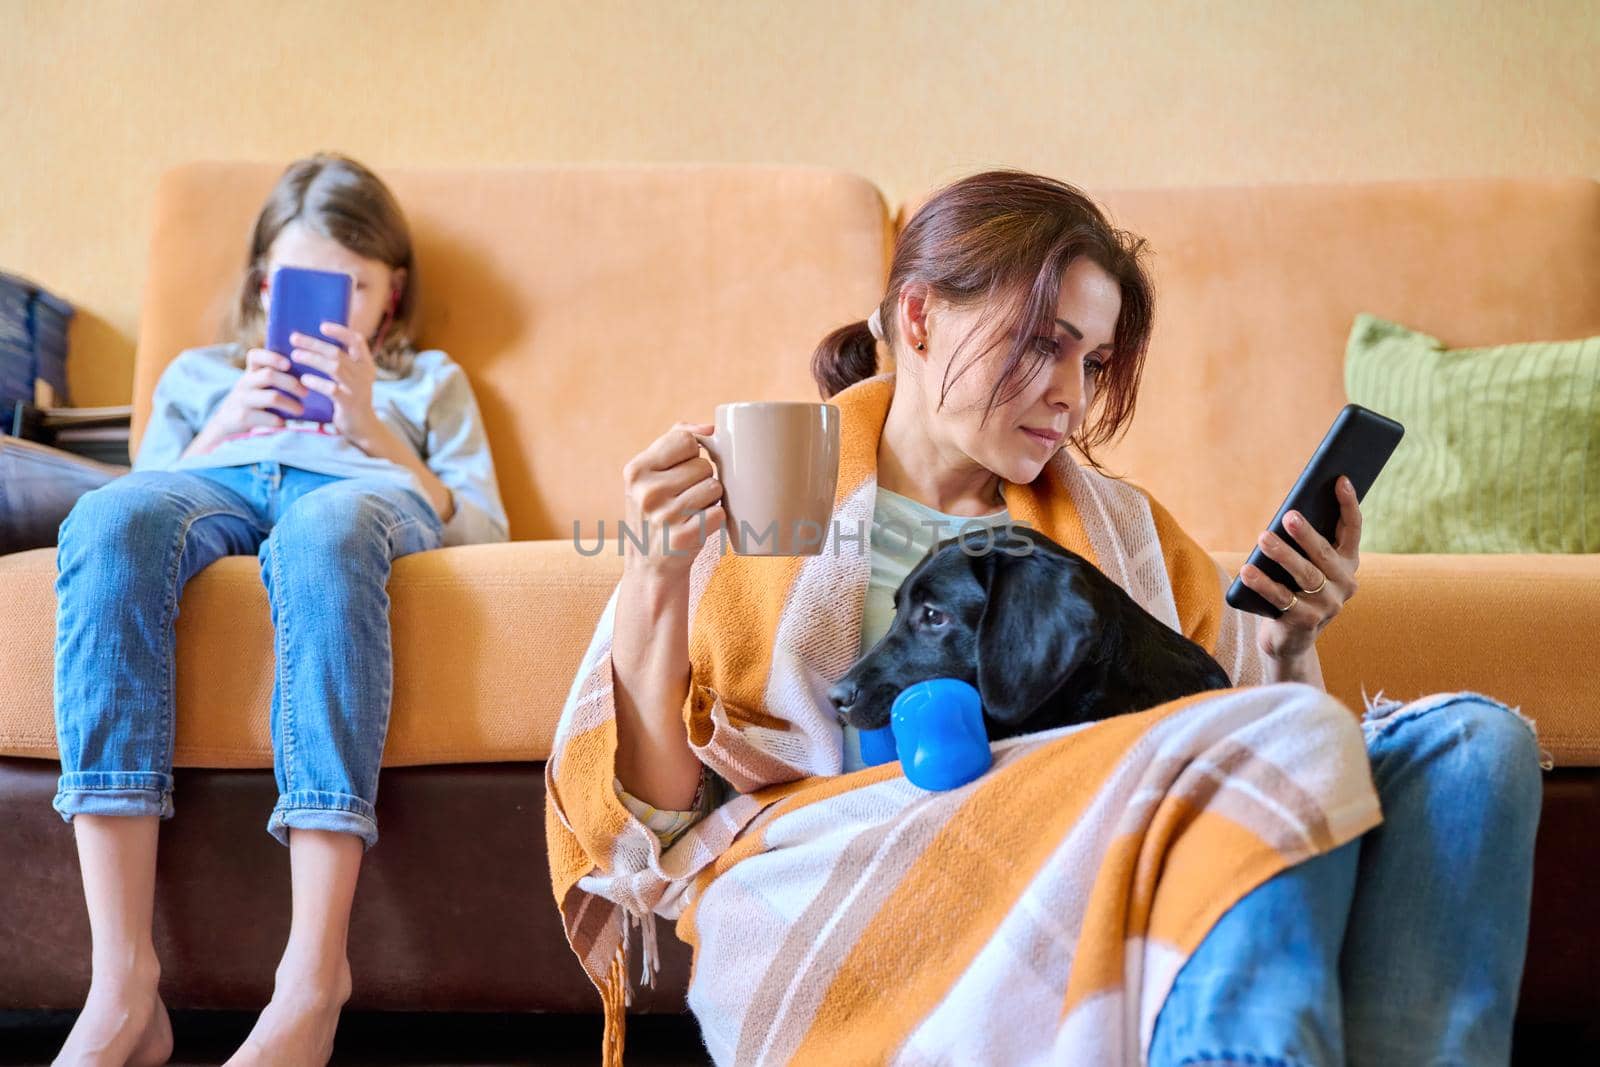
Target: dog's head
<point>1011,612</point>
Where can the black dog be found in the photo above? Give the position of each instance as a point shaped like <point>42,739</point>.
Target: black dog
<point>1047,639</point>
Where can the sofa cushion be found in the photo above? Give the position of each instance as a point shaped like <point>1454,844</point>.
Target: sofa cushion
<point>488,639</point>
<point>1502,444</point>
<point>1515,627</point>
<point>592,307</point>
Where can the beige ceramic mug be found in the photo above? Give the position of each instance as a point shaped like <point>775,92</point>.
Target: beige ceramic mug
<point>778,462</point>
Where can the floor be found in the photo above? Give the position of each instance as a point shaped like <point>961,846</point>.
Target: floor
<point>371,1039</point>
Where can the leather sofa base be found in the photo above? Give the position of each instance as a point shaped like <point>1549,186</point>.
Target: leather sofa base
<point>453,911</point>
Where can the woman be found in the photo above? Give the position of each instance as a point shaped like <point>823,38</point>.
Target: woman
<point>1189,884</point>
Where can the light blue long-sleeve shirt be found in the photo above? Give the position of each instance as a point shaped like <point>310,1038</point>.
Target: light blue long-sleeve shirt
<point>431,408</point>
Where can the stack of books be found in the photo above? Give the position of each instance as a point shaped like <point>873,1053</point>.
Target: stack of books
<point>33,345</point>
<point>100,434</point>
<point>50,454</point>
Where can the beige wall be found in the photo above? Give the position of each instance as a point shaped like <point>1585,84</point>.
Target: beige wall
<point>97,98</point>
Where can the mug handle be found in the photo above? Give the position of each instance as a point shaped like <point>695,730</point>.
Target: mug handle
<point>713,445</point>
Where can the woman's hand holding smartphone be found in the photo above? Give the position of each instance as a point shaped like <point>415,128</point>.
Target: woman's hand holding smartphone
<point>1355,449</point>
<point>1303,569</point>
<point>1324,574</point>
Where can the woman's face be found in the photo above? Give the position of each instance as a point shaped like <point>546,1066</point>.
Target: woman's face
<point>374,281</point>
<point>1020,435</point>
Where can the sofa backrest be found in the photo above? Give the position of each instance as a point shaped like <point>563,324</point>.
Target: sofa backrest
<point>1257,288</point>
<point>595,306</point>
<point>592,307</point>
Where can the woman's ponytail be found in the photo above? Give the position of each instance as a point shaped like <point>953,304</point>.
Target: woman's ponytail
<point>846,356</point>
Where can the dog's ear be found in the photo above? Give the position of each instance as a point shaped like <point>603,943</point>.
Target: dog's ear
<point>1036,628</point>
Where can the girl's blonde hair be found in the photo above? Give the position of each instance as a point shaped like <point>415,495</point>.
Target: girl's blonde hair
<point>342,200</point>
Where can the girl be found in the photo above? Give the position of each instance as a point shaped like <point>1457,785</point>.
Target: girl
<point>403,467</point>
<point>1190,884</point>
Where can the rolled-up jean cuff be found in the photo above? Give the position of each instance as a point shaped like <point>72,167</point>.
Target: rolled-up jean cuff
<point>309,809</point>
<point>113,793</point>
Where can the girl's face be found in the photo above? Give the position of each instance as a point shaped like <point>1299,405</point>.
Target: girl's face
<point>1020,435</point>
<point>376,286</point>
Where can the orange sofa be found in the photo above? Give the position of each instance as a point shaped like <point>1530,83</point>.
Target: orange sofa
<point>595,306</point>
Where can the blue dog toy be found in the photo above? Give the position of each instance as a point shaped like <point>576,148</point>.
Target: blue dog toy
<point>936,728</point>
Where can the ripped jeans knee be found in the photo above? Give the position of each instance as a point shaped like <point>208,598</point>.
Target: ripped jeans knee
<point>1473,718</point>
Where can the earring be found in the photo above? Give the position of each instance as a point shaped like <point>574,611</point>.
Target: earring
<point>921,346</point>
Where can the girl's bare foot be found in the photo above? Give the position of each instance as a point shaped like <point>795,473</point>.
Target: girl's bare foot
<point>296,1029</point>
<point>123,1024</point>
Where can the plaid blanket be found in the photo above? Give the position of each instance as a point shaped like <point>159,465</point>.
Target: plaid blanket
<point>1038,914</point>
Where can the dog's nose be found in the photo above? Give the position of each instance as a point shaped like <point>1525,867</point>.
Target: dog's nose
<point>842,696</point>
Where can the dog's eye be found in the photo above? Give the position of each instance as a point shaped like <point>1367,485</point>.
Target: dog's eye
<point>931,616</point>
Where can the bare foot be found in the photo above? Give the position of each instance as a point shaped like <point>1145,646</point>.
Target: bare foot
<point>296,1029</point>
<point>123,1024</point>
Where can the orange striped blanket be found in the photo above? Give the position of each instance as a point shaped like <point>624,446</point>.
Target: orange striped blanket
<point>1038,914</point>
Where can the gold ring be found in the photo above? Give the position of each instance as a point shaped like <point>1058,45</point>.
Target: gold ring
<point>1293,600</point>
<point>1318,589</point>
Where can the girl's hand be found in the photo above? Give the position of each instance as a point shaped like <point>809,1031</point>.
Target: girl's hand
<point>1329,576</point>
<point>245,406</point>
<point>351,373</point>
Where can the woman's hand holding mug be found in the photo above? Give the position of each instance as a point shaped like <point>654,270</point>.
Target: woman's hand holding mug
<point>670,486</point>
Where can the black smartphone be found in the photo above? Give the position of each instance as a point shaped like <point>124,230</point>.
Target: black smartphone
<point>1358,444</point>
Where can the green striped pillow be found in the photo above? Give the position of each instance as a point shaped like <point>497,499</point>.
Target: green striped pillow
<point>1502,444</point>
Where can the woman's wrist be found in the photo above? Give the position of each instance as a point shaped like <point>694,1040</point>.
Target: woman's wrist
<point>652,639</point>
<point>651,677</point>
<point>649,591</point>
<point>1295,667</point>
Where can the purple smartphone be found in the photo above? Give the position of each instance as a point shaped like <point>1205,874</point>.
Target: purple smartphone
<point>302,300</point>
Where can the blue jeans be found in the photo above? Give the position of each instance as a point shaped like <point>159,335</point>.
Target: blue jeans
<point>325,545</point>
<point>1404,946</point>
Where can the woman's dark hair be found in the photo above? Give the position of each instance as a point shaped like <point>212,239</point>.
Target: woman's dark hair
<point>1004,238</point>
<point>340,199</point>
